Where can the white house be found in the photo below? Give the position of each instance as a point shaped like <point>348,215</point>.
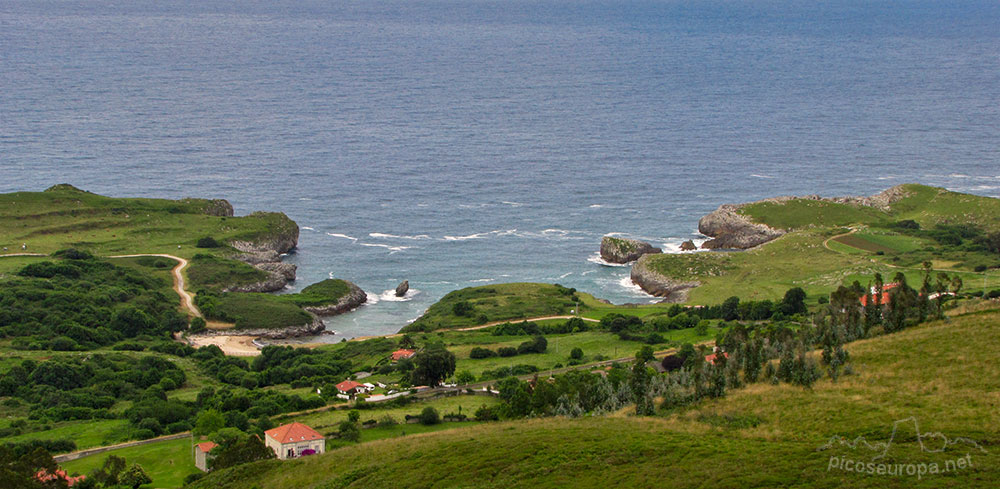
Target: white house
<point>294,440</point>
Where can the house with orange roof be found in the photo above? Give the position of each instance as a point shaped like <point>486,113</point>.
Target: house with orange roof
<point>294,440</point>
<point>201,456</point>
<point>402,354</point>
<point>711,358</point>
<point>874,298</point>
<point>351,387</point>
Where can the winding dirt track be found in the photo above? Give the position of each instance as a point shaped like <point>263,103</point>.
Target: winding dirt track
<point>187,300</point>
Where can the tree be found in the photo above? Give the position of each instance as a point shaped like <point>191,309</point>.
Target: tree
<point>354,416</point>
<point>241,450</point>
<point>134,477</point>
<point>432,366</point>
<point>793,302</point>
<point>131,321</point>
<point>109,473</point>
<point>729,308</point>
<point>639,384</point>
<point>429,416</point>
<point>197,325</point>
<point>208,422</point>
<point>465,377</point>
<point>349,431</point>
<point>576,353</point>
<point>645,354</point>
<point>406,341</point>
<point>18,470</point>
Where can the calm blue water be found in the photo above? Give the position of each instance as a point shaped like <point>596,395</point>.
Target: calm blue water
<point>465,142</point>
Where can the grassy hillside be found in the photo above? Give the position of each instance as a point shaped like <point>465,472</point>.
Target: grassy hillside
<point>66,217</point>
<point>942,374</point>
<point>831,244</point>
<point>480,305</point>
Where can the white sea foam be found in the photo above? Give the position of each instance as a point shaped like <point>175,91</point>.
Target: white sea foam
<point>512,204</point>
<point>392,249</point>
<point>307,228</point>
<point>596,206</point>
<point>674,245</point>
<point>626,283</point>
<point>760,176</point>
<point>596,258</point>
<point>390,295</point>
<point>482,280</point>
<point>396,236</point>
<point>567,274</point>
<point>338,235</point>
<point>465,238</point>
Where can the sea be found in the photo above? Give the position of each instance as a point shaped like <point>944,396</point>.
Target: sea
<point>458,143</point>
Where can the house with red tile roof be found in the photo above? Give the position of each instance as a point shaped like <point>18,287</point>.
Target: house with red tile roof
<point>294,440</point>
<point>351,387</point>
<point>402,354</point>
<point>201,456</point>
<point>711,358</point>
<point>873,296</point>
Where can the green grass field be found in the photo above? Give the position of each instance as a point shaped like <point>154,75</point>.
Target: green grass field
<point>64,217</point>
<point>327,421</point>
<point>498,302</point>
<point>167,463</point>
<point>86,434</point>
<point>941,374</point>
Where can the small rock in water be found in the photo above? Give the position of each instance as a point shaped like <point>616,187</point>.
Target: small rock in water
<point>688,246</point>
<point>402,288</point>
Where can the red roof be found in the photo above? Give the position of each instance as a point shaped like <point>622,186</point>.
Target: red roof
<point>45,476</point>
<point>401,354</point>
<point>347,385</point>
<point>885,295</point>
<point>206,446</point>
<point>711,358</point>
<point>293,432</point>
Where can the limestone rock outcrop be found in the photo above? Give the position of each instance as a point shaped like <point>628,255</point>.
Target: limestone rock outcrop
<point>623,250</point>
<point>658,285</point>
<point>353,299</point>
<point>402,288</point>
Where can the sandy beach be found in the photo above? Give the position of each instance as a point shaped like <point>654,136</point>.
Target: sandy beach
<point>241,346</point>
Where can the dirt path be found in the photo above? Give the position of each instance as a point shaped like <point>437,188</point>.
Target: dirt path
<point>232,345</point>
<point>543,318</point>
<point>826,242</point>
<point>187,300</point>
<point>22,254</point>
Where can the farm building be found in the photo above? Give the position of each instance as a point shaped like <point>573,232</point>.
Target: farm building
<point>294,440</point>
<point>201,456</point>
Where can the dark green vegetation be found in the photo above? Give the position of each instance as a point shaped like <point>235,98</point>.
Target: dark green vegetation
<point>761,435</point>
<point>215,273</point>
<point>831,244</point>
<point>256,310</point>
<point>480,305</point>
<point>83,303</point>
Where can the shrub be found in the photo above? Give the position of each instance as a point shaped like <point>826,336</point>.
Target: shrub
<point>576,353</point>
<point>507,351</point>
<point>479,352</point>
<point>462,308</point>
<point>486,413</point>
<point>207,242</point>
<point>198,325</point>
<point>429,416</point>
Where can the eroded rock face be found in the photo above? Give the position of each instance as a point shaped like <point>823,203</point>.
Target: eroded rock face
<point>219,207</point>
<point>402,288</point>
<point>274,282</point>
<point>658,285</point>
<point>623,250</point>
<point>311,329</point>
<point>353,299</point>
<point>286,270</point>
<point>730,229</point>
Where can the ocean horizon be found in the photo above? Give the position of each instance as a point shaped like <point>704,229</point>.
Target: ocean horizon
<point>464,143</point>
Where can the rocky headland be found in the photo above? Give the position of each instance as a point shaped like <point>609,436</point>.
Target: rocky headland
<point>623,250</point>
<point>264,253</point>
<point>353,299</point>
<point>659,285</point>
<point>729,228</point>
